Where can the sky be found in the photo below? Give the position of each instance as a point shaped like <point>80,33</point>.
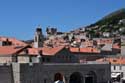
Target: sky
<point>20,18</point>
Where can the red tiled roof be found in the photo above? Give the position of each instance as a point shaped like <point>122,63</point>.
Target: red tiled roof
<point>117,60</point>
<point>85,50</point>
<point>51,51</point>
<point>45,50</point>
<point>33,51</point>
<point>9,50</point>
<point>74,49</point>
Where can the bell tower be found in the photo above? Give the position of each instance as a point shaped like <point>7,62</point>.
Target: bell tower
<point>38,38</point>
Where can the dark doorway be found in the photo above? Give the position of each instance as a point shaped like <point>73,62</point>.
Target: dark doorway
<point>76,78</point>
<point>90,77</point>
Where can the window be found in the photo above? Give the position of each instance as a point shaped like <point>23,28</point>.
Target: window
<point>114,67</point>
<point>30,59</point>
<point>14,58</point>
<point>120,67</point>
<point>43,59</point>
<point>35,39</point>
<point>40,39</point>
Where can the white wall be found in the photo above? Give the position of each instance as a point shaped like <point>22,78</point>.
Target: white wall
<point>5,59</point>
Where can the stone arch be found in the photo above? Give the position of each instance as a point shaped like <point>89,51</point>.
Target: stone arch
<point>76,77</point>
<point>59,77</point>
<point>91,77</point>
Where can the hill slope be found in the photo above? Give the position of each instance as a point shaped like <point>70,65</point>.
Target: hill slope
<point>113,23</point>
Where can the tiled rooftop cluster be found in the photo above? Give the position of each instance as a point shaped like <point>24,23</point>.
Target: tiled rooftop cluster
<point>81,43</point>
<point>60,45</point>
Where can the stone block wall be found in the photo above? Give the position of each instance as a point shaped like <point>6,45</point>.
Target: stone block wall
<point>44,73</point>
<point>6,75</point>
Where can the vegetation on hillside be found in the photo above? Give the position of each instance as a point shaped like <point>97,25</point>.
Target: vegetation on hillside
<point>114,24</point>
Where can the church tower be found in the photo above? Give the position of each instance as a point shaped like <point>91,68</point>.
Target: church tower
<point>38,38</point>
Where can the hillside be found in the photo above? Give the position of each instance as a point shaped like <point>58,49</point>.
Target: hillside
<point>112,18</point>
<point>112,24</point>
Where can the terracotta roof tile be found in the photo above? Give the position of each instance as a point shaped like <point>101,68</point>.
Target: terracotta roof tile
<point>51,51</point>
<point>85,50</point>
<point>117,60</point>
<point>33,51</point>
<point>45,50</point>
<point>9,50</point>
<point>74,49</point>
